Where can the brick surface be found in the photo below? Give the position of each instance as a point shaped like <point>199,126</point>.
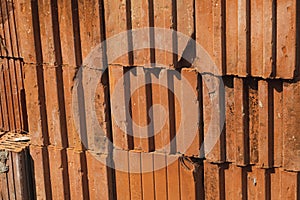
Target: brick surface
<point>77,174</point>
<point>163,18</point>
<point>136,189</point>
<point>286,38</point>
<point>97,174</point>
<point>212,181</point>
<point>266,116</point>
<point>209,29</point>
<point>173,177</point>
<point>148,181</point>
<point>58,167</point>
<point>117,21</point>
<point>234,185</point>
<point>190,105</point>
<point>40,160</point>
<point>241,122</point>
<point>291,138</point>
<point>257,184</point>
<point>140,19</point>
<point>160,175</point>
<point>290,185</point>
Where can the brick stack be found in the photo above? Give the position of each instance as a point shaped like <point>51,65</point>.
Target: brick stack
<point>254,44</point>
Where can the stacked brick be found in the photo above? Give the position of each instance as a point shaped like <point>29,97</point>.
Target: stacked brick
<point>255,48</point>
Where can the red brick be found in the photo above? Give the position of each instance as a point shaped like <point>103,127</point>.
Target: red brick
<point>66,33</point>
<point>73,133</point>
<point>136,191</point>
<point>148,183</point>
<point>90,22</point>
<point>160,174</point>
<point>286,38</point>
<point>10,177</point>
<point>25,30</point>
<point>261,38</point>
<point>252,85</point>
<point>257,184</point>
<point>191,180</point>
<point>41,177</point>
<point>46,32</point>
<point>291,137</point>
<point>290,185</point>
<point>6,27</point>
<point>122,174</point>
<point>58,173</point>
<point>162,11</point>
<point>212,108</point>
<point>35,110</point>
<point>190,121</point>
<point>139,109</point>
<point>116,22</point>
<point>278,122</point>
<point>212,181</point>
<point>230,119</point>
<point>173,177</point>
<point>4,103</point>
<point>12,28</point>
<point>265,102</point>
<point>119,128</point>
<point>241,122</point>
<point>140,19</point>
<point>209,29</point>
<point>231,37</point>
<point>185,25</point>
<point>233,182</point>
<point>56,129</point>
<point>97,173</point>
<point>275,177</point>
<point>77,174</point>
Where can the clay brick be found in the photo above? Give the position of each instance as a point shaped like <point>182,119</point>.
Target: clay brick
<point>5,10</point>
<point>140,19</point>
<point>58,173</point>
<point>6,124</point>
<point>190,121</point>
<point>290,185</point>
<point>278,122</point>
<point>176,112</point>
<point>10,177</point>
<point>173,177</point>
<point>209,30</point>
<point>286,39</point>
<point>97,172</point>
<point>116,22</point>
<point>162,12</point>
<point>56,122</point>
<point>275,177</point>
<point>139,109</point>
<point>213,180</point>
<point>241,122</point>
<point>34,102</point>
<point>118,106</point>
<point>160,175</point>
<point>77,174</point>
<point>252,85</point>
<point>122,174</point>
<point>213,108</point>
<point>233,182</point>
<point>257,184</point>
<point>191,180</point>
<point>46,32</point>
<point>26,30</point>
<point>73,133</point>
<point>185,25</point>
<point>265,101</point>
<point>230,119</point>
<point>148,183</point>
<point>231,37</point>
<point>90,23</point>
<point>136,189</point>
<point>66,32</point>
<point>261,38</point>
<point>160,105</point>
<point>291,138</point>
<point>4,188</point>
<point>40,160</point>
<point>15,94</point>
<point>9,6</point>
